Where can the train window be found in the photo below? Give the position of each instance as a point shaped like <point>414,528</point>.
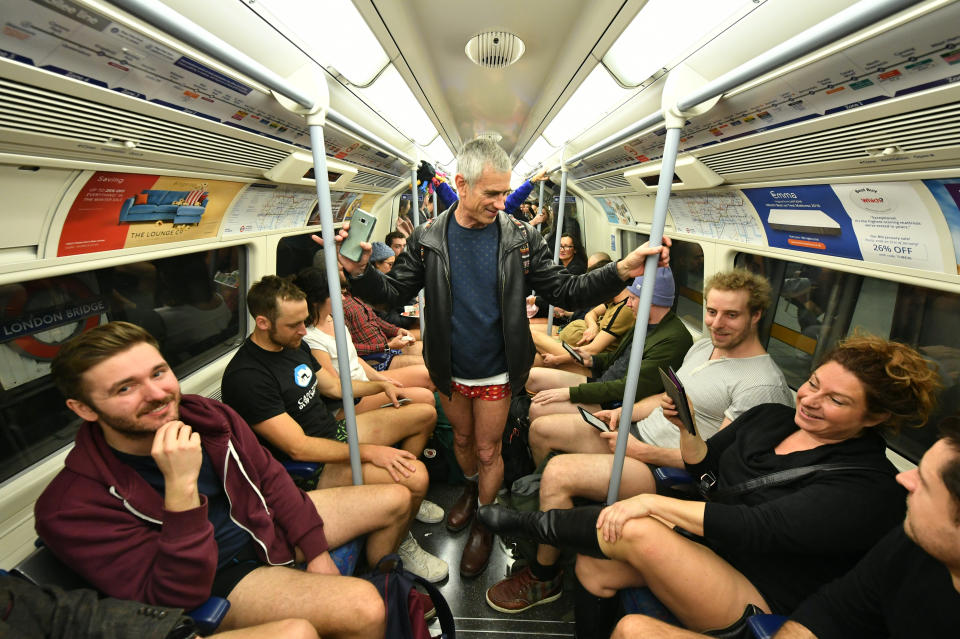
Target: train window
<point>193,304</point>
<point>686,262</point>
<point>814,307</point>
<point>295,252</point>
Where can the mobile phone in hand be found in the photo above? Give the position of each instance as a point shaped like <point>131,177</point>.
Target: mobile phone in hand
<point>573,353</point>
<point>596,422</point>
<point>361,230</point>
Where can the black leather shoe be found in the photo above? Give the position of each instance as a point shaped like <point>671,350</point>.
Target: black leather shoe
<point>476,553</point>
<point>464,508</point>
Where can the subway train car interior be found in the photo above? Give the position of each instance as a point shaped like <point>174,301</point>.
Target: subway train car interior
<point>160,157</point>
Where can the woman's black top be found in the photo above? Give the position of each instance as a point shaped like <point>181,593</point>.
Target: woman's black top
<point>790,539</point>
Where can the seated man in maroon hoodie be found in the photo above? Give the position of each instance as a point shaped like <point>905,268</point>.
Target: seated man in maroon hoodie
<point>167,499</point>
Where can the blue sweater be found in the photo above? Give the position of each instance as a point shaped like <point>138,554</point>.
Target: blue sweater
<point>477,328</point>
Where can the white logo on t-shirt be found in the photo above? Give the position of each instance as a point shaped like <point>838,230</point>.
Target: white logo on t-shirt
<point>302,375</point>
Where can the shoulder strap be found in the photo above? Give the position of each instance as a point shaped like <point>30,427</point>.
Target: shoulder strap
<point>425,225</point>
<point>444,614</point>
<point>782,477</point>
<point>525,248</point>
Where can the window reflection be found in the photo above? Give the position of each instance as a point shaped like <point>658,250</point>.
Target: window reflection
<point>191,303</point>
<point>815,307</point>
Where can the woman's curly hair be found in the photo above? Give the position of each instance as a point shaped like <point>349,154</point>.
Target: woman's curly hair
<point>896,379</point>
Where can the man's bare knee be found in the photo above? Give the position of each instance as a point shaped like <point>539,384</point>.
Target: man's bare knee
<point>488,453</point>
<point>539,432</point>
<point>634,627</point>
<point>365,612</point>
<point>555,483</point>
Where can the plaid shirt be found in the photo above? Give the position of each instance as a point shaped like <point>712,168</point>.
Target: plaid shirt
<point>370,333</point>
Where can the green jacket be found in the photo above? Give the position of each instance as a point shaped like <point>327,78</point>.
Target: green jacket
<point>666,345</point>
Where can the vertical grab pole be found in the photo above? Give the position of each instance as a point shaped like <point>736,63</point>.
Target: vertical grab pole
<point>415,206</point>
<point>558,225</point>
<point>643,307</point>
<point>540,201</point>
<point>336,301</point>
<point>436,204</point>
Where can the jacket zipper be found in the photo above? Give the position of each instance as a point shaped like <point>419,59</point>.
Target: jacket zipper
<point>231,452</point>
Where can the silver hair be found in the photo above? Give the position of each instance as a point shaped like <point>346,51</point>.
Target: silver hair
<point>479,153</point>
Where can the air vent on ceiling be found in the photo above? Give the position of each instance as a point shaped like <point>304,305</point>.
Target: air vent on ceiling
<point>490,135</point>
<point>603,183</point>
<point>893,138</point>
<point>32,111</point>
<point>494,49</point>
<point>365,178</point>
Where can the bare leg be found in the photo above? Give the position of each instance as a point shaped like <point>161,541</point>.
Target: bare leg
<point>286,629</point>
<point>488,421</point>
<point>342,607</point>
<point>402,361</point>
<point>372,402</point>
<point>546,344</point>
<point>668,563</point>
<point>542,378</point>
<point>565,433</point>
<point>413,348</point>
<point>380,511</point>
<point>459,410</point>
<point>413,376</point>
<point>643,627</point>
<point>569,476</point>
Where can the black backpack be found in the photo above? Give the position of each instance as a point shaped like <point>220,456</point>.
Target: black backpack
<point>515,449</point>
<point>404,611</point>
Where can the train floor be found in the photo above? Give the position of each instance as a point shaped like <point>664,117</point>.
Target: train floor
<point>467,597</point>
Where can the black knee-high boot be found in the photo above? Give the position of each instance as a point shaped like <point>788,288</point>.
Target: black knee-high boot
<point>595,616</point>
<point>575,528</point>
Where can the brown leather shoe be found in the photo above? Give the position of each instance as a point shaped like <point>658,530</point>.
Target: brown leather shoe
<point>476,553</point>
<point>464,509</point>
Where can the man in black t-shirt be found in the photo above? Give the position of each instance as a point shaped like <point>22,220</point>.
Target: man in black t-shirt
<point>272,383</point>
<point>907,586</point>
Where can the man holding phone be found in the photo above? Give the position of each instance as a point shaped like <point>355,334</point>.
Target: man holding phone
<point>476,265</point>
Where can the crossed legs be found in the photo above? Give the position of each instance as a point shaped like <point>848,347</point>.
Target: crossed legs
<point>699,587</point>
<point>569,476</point>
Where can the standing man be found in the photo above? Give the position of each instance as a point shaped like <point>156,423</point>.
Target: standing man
<point>476,265</point>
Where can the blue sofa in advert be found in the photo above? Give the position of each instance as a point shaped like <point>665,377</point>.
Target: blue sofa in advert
<point>151,205</point>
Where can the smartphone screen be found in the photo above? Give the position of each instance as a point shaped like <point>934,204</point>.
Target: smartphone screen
<point>361,230</point>
<point>574,354</point>
<point>596,422</point>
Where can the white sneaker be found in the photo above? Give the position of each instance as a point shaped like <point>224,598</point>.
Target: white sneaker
<point>420,562</point>
<point>430,513</point>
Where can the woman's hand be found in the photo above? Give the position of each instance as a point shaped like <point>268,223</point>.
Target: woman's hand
<point>612,518</point>
<point>589,334</point>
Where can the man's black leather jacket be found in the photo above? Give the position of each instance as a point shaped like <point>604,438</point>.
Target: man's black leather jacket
<point>432,273</point>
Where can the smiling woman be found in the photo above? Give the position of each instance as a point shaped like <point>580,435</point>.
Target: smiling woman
<point>802,492</point>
